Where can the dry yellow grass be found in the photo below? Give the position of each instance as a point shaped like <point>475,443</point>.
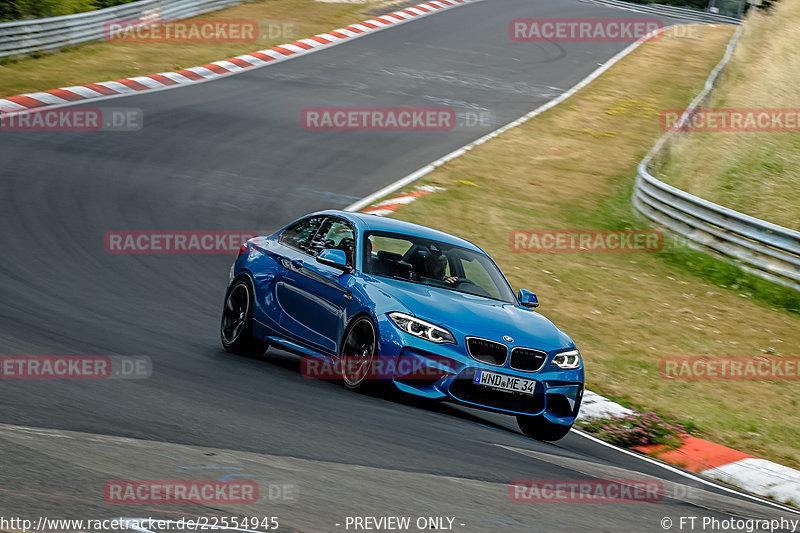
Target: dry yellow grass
<point>757,173</point>
<point>573,167</point>
<point>115,60</point>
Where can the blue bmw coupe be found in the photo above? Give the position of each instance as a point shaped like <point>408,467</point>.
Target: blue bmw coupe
<point>383,300</point>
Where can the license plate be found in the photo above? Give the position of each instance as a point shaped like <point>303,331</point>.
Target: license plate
<point>504,382</point>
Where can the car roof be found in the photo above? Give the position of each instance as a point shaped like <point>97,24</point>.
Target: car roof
<point>367,222</point>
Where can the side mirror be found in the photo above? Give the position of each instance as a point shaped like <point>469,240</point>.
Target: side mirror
<point>528,299</point>
<point>334,258</point>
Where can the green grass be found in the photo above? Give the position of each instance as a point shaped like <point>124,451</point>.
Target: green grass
<point>104,61</point>
<point>757,173</point>
<point>28,9</point>
<point>615,212</point>
<point>573,167</point>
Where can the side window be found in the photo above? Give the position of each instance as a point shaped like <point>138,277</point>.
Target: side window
<point>299,234</point>
<point>335,233</point>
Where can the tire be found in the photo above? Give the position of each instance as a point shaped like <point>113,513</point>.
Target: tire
<point>236,325</point>
<point>359,346</point>
<point>539,428</point>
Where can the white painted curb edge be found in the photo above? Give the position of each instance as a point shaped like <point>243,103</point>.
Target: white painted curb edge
<point>758,476</point>
<point>427,169</point>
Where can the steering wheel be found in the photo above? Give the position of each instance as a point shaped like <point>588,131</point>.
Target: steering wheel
<point>478,290</point>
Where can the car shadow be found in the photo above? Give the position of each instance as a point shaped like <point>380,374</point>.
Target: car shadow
<point>292,363</point>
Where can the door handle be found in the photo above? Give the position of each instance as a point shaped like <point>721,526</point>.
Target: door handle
<point>348,296</point>
<point>298,263</point>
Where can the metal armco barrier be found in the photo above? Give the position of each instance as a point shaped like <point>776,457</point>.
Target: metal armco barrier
<point>680,13</point>
<point>762,248</point>
<point>48,34</point>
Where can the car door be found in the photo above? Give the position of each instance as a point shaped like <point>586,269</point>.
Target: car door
<point>314,296</point>
<point>290,246</point>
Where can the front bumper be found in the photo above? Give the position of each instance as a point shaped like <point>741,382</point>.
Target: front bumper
<point>446,372</point>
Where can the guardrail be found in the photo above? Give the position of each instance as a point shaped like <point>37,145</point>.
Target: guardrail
<point>680,13</point>
<point>40,35</point>
<point>762,248</point>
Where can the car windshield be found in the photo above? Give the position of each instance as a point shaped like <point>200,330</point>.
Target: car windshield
<point>434,263</point>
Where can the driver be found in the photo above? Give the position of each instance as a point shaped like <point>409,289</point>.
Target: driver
<point>435,265</point>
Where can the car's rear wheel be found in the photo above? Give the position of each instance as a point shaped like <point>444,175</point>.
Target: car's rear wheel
<point>539,428</point>
<point>358,353</point>
<point>236,328</point>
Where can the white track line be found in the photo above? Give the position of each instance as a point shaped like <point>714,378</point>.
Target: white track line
<point>127,91</point>
<point>417,174</point>
<point>414,176</point>
<point>686,474</point>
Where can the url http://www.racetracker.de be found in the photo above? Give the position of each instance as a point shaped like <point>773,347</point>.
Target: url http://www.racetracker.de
<point>44,524</point>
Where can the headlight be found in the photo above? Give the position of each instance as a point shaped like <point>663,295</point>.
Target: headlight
<point>420,328</point>
<point>568,360</point>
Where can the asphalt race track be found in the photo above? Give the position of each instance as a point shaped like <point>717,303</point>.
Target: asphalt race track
<point>231,155</point>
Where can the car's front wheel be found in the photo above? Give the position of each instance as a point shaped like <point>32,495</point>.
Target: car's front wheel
<point>236,328</point>
<point>539,428</point>
<point>358,353</point>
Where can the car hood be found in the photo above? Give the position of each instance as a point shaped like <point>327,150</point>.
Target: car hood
<point>475,315</point>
